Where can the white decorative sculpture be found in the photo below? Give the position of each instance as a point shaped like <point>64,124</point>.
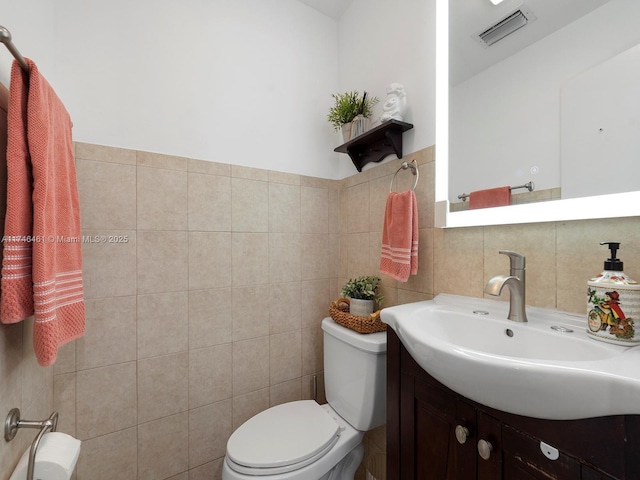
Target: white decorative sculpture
<point>395,104</point>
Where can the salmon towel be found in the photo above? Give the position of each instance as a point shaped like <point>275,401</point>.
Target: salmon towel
<point>42,262</point>
<point>399,257</point>
<point>492,197</point>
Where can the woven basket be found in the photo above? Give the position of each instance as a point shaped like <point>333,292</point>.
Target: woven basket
<point>339,311</point>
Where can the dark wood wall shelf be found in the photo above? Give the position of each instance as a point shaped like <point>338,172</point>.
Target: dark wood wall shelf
<point>376,144</point>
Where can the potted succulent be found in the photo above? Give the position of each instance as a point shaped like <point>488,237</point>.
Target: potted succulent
<point>362,293</point>
<point>348,107</point>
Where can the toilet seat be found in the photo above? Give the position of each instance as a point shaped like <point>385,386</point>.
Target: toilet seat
<point>282,439</point>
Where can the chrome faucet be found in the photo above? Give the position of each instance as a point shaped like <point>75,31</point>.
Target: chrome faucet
<point>516,283</point>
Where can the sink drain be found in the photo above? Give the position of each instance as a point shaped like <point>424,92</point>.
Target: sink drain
<point>509,332</point>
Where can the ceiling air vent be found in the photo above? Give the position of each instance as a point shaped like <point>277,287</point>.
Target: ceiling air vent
<point>506,26</point>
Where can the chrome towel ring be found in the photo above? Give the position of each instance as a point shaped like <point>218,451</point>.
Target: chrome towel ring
<point>414,168</point>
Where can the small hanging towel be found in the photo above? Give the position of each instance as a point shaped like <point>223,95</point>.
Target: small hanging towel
<point>42,263</point>
<point>399,257</point>
<point>492,197</point>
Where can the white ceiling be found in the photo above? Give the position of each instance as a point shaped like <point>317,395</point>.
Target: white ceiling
<point>467,18</point>
<point>331,8</point>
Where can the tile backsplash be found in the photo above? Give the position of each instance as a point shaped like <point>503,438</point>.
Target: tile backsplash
<point>205,287</point>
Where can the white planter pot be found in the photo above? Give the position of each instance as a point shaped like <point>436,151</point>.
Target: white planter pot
<point>360,308</point>
<point>359,125</point>
<point>346,132</point>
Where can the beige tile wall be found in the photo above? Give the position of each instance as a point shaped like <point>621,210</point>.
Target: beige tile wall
<point>222,268</point>
<point>24,385</point>
<point>204,311</point>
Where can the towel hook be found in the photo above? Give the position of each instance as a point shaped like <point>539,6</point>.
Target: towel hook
<point>414,168</point>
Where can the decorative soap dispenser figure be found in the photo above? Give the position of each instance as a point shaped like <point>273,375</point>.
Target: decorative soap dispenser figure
<point>613,303</point>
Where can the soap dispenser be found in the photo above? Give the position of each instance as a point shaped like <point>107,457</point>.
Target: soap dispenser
<point>613,303</point>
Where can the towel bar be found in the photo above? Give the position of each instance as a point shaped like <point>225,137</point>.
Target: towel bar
<point>13,423</point>
<point>5,37</point>
<point>529,186</point>
<point>414,168</point>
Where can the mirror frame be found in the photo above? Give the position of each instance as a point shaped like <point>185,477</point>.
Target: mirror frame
<point>602,206</point>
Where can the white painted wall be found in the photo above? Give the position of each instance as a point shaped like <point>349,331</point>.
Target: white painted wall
<point>247,82</point>
<point>382,42</point>
<point>600,116</point>
<point>32,29</point>
<point>506,120</point>
<point>244,82</point>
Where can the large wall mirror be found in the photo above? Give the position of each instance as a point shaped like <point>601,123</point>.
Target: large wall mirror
<point>541,91</point>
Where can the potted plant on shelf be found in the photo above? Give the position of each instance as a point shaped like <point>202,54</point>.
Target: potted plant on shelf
<point>363,294</point>
<point>348,107</point>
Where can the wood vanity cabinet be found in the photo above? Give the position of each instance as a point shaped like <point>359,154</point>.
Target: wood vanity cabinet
<point>433,434</point>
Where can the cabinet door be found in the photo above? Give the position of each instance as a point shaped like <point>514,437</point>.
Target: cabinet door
<point>523,459</point>
<point>489,448</point>
<point>466,447</point>
<point>435,444</point>
<point>590,474</point>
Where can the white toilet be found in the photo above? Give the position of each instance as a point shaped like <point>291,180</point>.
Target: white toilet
<point>306,441</point>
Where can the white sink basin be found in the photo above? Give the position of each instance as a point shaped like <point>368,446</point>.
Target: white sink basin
<point>528,368</point>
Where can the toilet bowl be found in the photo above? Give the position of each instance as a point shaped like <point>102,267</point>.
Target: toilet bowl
<point>302,440</point>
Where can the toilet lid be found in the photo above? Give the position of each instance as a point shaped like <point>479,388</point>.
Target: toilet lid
<point>283,435</point>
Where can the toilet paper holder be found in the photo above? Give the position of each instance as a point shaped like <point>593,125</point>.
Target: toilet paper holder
<point>13,423</point>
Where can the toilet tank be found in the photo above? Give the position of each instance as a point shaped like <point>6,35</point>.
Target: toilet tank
<point>355,372</point>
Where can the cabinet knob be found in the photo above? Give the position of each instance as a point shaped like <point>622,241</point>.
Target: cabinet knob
<point>484,449</point>
<point>462,433</point>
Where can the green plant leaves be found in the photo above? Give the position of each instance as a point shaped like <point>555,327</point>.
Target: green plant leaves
<point>348,105</point>
<point>364,288</point>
